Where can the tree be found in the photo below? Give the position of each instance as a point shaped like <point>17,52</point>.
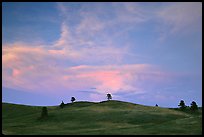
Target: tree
<point>44,112</point>
<point>73,99</point>
<point>194,106</point>
<point>62,105</point>
<point>182,105</point>
<point>109,96</point>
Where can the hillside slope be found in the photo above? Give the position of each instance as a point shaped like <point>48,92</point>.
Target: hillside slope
<point>107,118</point>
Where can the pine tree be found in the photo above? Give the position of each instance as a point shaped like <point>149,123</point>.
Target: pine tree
<point>194,106</point>
<point>73,99</point>
<point>109,96</point>
<point>62,105</point>
<point>182,105</point>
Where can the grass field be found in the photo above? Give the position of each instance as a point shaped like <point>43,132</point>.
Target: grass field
<point>104,118</point>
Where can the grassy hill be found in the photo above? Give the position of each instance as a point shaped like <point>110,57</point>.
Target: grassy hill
<point>104,118</point>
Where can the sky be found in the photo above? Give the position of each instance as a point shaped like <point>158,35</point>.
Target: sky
<point>145,53</point>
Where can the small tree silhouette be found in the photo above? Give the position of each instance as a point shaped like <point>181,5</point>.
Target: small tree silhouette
<point>182,105</point>
<point>44,112</point>
<point>73,99</point>
<point>62,105</point>
<point>194,106</point>
<point>109,96</point>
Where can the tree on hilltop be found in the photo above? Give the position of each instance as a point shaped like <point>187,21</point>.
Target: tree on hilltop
<point>62,105</point>
<point>194,106</point>
<point>182,105</point>
<point>73,99</point>
<point>109,96</point>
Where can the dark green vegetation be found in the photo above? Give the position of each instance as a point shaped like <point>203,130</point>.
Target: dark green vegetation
<point>44,113</point>
<point>108,117</point>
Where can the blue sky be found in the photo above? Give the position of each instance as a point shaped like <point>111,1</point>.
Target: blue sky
<point>146,53</point>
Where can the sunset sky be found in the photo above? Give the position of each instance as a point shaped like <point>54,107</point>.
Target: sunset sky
<point>145,53</point>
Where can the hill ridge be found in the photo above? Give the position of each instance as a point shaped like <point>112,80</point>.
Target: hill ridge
<point>98,118</point>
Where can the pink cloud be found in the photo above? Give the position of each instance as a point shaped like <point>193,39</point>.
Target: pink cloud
<point>34,66</point>
<point>33,70</point>
<point>36,74</point>
<point>107,80</point>
<point>16,72</point>
<point>57,52</point>
<point>115,78</point>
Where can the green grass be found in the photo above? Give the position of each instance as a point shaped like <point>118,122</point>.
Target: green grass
<point>104,118</point>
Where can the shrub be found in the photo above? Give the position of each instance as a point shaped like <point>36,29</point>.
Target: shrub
<point>44,112</point>
<point>62,105</point>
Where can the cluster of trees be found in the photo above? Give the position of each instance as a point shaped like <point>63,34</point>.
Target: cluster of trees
<point>182,105</point>
<point>72,100</point>
<point>193,106</point>
<point>109,97</point>
<point>44,112</point>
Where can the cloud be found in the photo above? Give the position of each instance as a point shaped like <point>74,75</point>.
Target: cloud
<point>93,22</point>
<point>130,12</point>
<point>169,18</point>
<point>90,25</point>
<point>76,47</point>
<point>76,61</point>
<point>33,69</point>
<point>179,17</point>
<point>62,8</point>
<point>16,73</point>
<point>65,37</point>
